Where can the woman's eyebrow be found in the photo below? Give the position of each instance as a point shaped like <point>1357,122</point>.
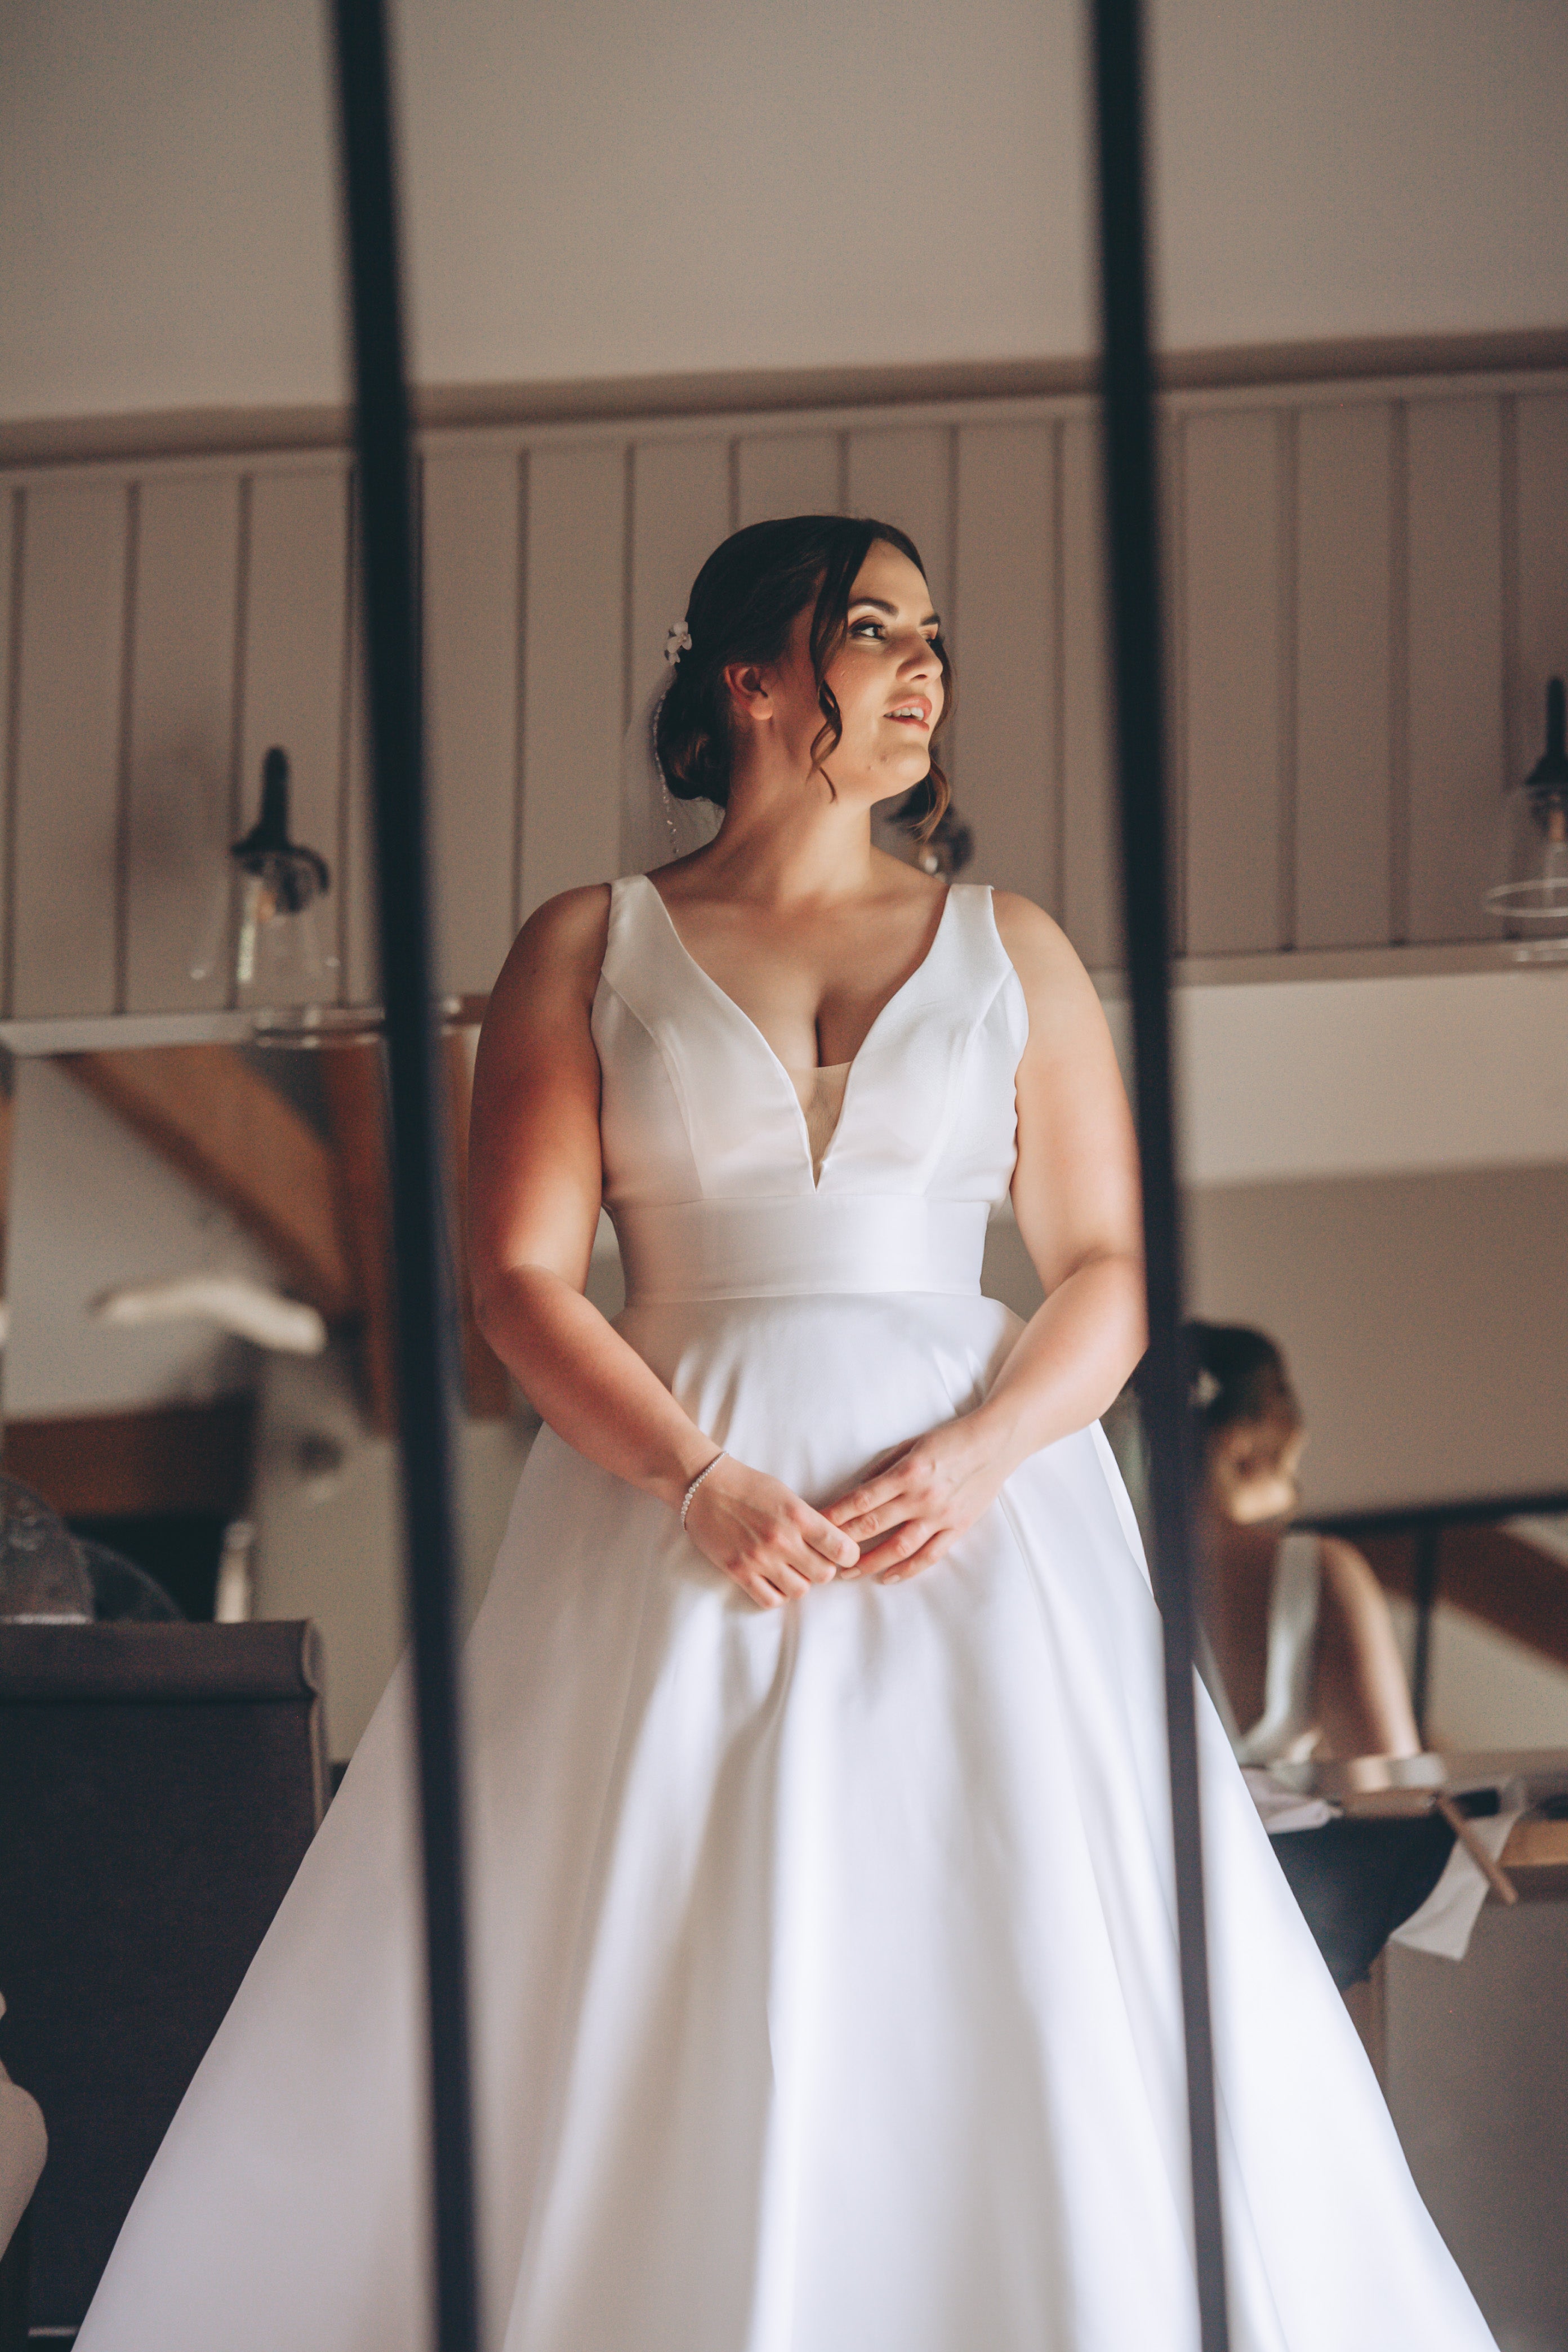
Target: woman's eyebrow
<point>880,604</point>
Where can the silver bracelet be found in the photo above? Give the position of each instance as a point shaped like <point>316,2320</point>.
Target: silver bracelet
<point>686,1500</point>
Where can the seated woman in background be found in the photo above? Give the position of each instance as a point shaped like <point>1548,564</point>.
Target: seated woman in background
<point>1302,1642</point>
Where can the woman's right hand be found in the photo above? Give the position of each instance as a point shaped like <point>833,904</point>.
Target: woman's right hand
<point>753,1527</point>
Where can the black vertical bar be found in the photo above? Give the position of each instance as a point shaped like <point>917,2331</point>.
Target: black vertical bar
<point>1429,1544</point>
<point>421,1275</point>
<point>1134,589</point>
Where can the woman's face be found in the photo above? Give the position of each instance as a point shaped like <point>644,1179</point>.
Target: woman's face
<point>886,676</point>
<point>1252,1469</point>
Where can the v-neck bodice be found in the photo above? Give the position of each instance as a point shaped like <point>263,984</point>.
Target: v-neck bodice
<point>706,979</point>
<point>820,1094</point>
<point>702,1120</point>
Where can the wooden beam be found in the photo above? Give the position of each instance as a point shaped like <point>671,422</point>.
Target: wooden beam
<point>599,400</point>
<point>183,1457</point>
<point>355,1091</point>
<point>216,1119</point>
<point>486,1389</point>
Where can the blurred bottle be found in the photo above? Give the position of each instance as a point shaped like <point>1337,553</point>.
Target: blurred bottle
<point>235,1591</point>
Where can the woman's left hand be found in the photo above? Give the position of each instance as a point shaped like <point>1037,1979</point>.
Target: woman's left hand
<point>919,1498</point>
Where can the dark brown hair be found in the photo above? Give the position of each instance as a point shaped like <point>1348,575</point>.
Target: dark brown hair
<point>1237,1375</point>
<point>742,606</point>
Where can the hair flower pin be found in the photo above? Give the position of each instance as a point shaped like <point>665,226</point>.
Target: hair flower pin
<point>1206,1391</point>
<point>677,641</point>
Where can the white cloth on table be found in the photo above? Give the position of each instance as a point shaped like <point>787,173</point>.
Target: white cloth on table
<point>1446,1920</point>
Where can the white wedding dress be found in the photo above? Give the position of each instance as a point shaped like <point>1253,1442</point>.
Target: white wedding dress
<point>825,1982</point>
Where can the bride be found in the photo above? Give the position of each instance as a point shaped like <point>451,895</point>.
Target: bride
<point>825,1953</point>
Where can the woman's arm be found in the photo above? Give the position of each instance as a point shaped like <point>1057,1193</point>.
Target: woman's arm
<point>1360,1697</point>
<point>534,1185</point>
<point>1074,1195</point>
<point>1076,1198</point>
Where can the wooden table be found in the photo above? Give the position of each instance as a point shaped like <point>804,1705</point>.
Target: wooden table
<point>1536,1859</point>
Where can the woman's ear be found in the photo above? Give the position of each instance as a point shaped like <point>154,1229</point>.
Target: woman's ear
<point>747,691</point>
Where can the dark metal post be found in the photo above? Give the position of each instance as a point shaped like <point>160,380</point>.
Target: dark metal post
<point>1134,586</point>
<point>421,1274</point>
<point>1429,1547</point>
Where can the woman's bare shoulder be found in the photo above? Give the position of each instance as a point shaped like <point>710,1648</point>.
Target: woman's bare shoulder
<point>560,948</point>
<point>1056,986</point>
<point>1031,937</point>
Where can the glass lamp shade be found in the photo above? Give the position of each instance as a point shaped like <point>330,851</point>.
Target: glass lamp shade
<point>1529,895</point>
<point>281,958</point>
<point>277,956</point>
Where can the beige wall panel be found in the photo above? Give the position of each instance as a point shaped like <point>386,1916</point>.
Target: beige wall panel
<point>1171,478</point>
<point>1231,556</point>
<point>295,667</point>
<point>1007,784</point>
<point>361,953</point>
<point>680,511</point>
<point>1455,719</point>
<point>1343,815</point>
<point>68,749</point>
<point>1543,643</point>
<point>1170,455</point>
<point>1092,914</point>
<point>904,477</point>
<point>574,669</point>
<point>180,818</point>
<point>472,651</point>
<point>785,474</point>
<point>1091,849</point>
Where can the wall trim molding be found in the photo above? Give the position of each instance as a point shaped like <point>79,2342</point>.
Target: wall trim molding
<point>208,431</point>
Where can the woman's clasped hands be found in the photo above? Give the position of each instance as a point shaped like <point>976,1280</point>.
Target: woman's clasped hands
<point>759,1531</point>
<point>914,1503</point>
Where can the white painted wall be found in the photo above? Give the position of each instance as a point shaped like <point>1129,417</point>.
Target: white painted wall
<point>1392,1075</point>
<point>1486,1691</point>
<point>327,1513</point>
<point>92,1206</point>
<point>613,188</point>
<point>1423,1317</point>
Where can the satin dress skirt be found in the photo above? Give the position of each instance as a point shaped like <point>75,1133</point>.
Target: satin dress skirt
<point>826,1987</point>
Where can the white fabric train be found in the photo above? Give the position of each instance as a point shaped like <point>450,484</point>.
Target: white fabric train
<point>826,1994</point>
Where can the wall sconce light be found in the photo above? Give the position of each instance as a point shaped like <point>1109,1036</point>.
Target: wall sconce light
<point>281,971</point>
<point>278,955</point>
<point>1530,895</point>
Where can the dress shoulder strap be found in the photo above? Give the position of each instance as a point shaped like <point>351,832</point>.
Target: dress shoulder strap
<point>635,944</point>
<point>976,943</point>
<point>1293,1635</point>
<point>1286,1727</point>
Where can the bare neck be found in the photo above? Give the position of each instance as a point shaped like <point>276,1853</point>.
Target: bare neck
<point>786,842</point>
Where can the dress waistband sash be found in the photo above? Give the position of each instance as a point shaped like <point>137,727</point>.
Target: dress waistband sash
<point>799,1245</point>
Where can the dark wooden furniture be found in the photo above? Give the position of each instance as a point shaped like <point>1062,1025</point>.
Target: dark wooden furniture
<point>158,1786</point>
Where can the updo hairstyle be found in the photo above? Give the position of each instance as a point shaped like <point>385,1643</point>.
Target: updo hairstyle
<point>1237,1375</point>
<point>743,605</point>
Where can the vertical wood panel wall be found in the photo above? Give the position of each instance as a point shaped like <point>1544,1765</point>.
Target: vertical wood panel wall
<point>1368,589</point>
<point>1343,809</point>
<point>183,810</point>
